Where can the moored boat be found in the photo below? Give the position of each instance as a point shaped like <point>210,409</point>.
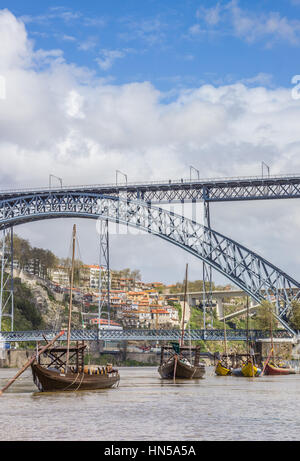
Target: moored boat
<point>236,372</point>
<point>272,369</point>
<point>178,366</point>
<point>222,370</point>
<point>50,380</point>
<point>64,369</point>
<point>249,370</point>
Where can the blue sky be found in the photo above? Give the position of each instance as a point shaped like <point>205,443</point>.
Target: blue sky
<point>172,44</point>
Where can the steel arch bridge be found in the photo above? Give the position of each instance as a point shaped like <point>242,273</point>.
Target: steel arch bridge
<point>246,269</point>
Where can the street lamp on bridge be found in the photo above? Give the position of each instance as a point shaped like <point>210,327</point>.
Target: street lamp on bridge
<point>120,172</point>
<point>56,177</point>
<point>262,169</point>
<point>197,171</point>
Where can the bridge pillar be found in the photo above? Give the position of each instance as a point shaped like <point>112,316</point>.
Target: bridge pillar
<point>192,301</point>
<point>7,278</point>
<point>206,268</point>
<point>220,310</point>
<point>104,273</point>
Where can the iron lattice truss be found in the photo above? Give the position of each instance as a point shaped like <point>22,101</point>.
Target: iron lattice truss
<point>143,335</point>
<point>104,272</point>
<point>213,190</point>
<point>252,273</point>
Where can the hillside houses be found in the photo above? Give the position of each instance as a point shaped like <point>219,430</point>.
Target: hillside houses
<point>134,303</point>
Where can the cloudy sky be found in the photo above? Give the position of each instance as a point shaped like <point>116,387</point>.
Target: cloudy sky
<point>151,88</point>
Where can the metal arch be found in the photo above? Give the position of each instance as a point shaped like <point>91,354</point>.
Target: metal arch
<point>252,273</point>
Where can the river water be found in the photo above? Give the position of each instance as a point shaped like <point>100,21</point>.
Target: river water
<point>144,407</point>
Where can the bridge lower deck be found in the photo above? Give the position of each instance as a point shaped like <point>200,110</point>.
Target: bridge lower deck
<point>144,335</point>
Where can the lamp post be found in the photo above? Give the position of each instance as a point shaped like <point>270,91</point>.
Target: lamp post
<point>56,177</point>
<point>120,172</point>
<point>262,169</point>
<point>197,171</point>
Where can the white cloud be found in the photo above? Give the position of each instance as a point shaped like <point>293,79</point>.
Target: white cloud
<point>195,29</point>
<point>108,57</point>
<point>150,31</point>
<point>69,38</point>
<point>230,18</point>
<point>59,12</point>
<point>88,44</point>
<point>211,15</point>
<point>58,118</point>
<point>261,79</point>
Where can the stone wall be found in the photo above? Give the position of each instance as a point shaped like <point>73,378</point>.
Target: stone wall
<point>14,358</point>
<point>282,349</point>
<point>144,357</point>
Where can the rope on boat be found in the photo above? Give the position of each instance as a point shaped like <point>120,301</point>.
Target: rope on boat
<point>75,382</point>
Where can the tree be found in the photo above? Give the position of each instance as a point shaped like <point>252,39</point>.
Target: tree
<point>295,315</point>
<point>22,251</point>
<point>136,275</point>
<point>265,316</point>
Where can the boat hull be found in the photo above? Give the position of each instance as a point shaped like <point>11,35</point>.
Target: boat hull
<point>51,381</point>
<point>220,370</point>
<point>250,371</point>
<point>274,370</point>
<point>237,372</point>
<point>166,370</point>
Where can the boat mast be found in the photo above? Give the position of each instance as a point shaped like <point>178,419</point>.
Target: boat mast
<point>184,302</point>
<point>71,295</point>
<point>225,339</point>
<point>247,326</point>
<point>271,332</point>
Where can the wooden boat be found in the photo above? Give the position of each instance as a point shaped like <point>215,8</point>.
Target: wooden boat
<point>64,368</point>
<point>272,369</point>
<point>54,380</point>
<point>249,370</point>
<point>222,370</point>
<point>237,372</point>
<point>178,366</point>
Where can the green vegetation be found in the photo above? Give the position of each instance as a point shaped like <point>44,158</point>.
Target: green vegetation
<point>178,308</point>
<point>129,274</point>
<point>25,253</point>
<point>26,315</point>
<point>264,317</point>
<point>196,322</point>
<point>295,315</point>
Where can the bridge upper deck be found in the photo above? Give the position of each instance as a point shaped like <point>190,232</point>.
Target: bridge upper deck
<point>213,189</point>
